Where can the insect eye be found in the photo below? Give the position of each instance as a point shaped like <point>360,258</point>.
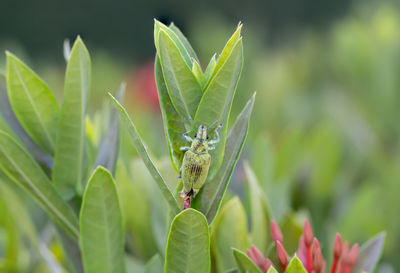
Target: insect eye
<point>195,135</point>
<point>207,137</point>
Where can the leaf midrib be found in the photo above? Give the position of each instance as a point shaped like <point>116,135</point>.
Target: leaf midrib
<point>42,197</point>
<point>81,139</point>
<point>107,230</point>
<point>212,79</point>
<point>142,150</point>
<point>27,93</point>
<point>176,83</point>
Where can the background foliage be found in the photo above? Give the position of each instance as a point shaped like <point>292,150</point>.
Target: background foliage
<point>324,136</point>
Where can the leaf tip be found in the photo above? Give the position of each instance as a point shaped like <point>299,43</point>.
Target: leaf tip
<point>157,24</point>
<point>156,21</point>
<point>78,42</point>
<point>100,169</point>
<point>10,55</point>
<point>239,28</point>
<point>114,100</point>
<point>111,96</point>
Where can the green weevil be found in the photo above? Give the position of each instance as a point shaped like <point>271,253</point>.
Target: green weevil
<point>196,161</point>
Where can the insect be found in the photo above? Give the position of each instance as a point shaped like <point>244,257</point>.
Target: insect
<point>196,161</point>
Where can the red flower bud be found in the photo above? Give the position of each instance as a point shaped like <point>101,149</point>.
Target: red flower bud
<point>282,255</point>
<point>302,251</point>
<point>345,249</point>
<point>251,255</point>
<point>343,260</point>
<point>352,257</point>
<point>308,234</point>
<point>266,265</point>
<point>337,246</point>
<point>315,245</point>
<point>258,258</point>
<point>276,232</point>
<point>337,251</point>
<point>258,255</point>
<point>317,259</point>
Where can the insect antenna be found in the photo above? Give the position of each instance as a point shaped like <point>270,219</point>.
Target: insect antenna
<point>212,125</point>
<point>192,122</point>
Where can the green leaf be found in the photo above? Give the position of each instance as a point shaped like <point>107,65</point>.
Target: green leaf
<point>91,152</point>
<point>210,68</point>
<point>295,266</point>
<point>229,230</point>
<point>260,216</point>
<point>183,88</point>
<point>72,252</point>
<point>219,92</point>
<point>70,140</point>
<point>262,163</point>
<point>231,271</point>
<point>66,50</point>
<point>16,226</point>
<point>102,237</point>
<point>21,168</point>
<point>158,26</point>
<point>12,247</point>
<point>174,126</point>
<point>184,41</point>
<point>214,190</point>
<point>161,216</point>
<point>12,126</point>
<point>188,248</point>
<point>154,265</point>
<point>198,73</point>
<point>272,270</point>
<point>215,105</point>
<point>325,154</point>
<point>134,193</point>
<point>228,49</point>
<point>108,150</point>
<point>16,206</point>
<point>134,265</point>
<point>369,254</point>
<point>142,151</point>
<point>291,225</point>
<point>32,102</point>
<point>244,263</point>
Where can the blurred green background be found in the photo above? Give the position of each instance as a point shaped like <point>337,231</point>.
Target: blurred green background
<point>325,134</point>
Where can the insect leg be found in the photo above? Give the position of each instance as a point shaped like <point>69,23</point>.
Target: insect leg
<point>187,137</point>
<point>186,198</point>
<point>185,148</point>
<point>186,202</point>
<point>216,139</point>
<point>180,173</point>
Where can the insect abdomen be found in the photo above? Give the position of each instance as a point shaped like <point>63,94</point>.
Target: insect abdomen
<point>194,170</point>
